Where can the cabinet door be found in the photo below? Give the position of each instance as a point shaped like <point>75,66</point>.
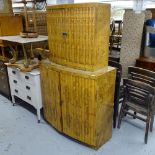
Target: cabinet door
<point>78,107</point>
<point>71,33</point>
<point>51,96</point>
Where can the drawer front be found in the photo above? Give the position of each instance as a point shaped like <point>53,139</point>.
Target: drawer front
<point>14,82</point>
<point>25,77</point>
<point>29,98</point>
<point>18,92</point>
<point>28,78</point>
<point>30,89</point>
<point>14,73</point>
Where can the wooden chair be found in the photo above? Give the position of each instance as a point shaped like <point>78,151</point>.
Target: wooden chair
<point>116,34</point>
<point>138,97</point>
<point>142,75</point>
<point>117,89</point>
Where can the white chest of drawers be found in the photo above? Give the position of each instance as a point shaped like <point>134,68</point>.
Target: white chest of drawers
<point>27,87</point>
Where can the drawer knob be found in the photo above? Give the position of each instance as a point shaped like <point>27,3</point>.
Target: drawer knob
<point>26,77</point>
<point>28,97</point>
<point>27,87</point>
<point>16,91</point>
<point>14,72</point>
<point>14,81</point>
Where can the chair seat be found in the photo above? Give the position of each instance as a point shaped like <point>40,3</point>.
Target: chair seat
<point>137,108</point>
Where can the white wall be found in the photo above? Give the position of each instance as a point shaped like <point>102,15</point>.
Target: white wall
<point>50,2</point>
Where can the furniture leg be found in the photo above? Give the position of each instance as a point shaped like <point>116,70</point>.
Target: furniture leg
<point>25,57</point>
<point>13,100</point>
<point>3,54</point>
<point>147,130</point>
<point>16,49</point>
<point>134,114</point>
<point>115,115</point>
<point>152,120</point>
<point>32,54</point>
<point>120,117</point>
<point>14,59</point>
<point>38,115</point>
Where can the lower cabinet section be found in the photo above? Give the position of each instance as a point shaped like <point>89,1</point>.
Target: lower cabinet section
<point>79,103</point>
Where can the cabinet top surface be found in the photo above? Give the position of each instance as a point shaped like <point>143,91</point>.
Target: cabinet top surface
<point>33,72</point>
<point>77,5</point>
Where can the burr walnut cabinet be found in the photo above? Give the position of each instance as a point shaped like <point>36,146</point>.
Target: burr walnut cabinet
<point>79,35</point>
<point>79,103</point>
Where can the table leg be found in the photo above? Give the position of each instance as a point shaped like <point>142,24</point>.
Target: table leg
<point>3,54</point>
<point>38,114</point>
<point>15,52</point>
<point>26,64</point>
<point>32,54</point>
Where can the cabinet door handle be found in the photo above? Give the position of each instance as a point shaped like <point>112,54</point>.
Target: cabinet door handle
<point>14,72</point>
<point>26,77</point>
<point>27,87</point>
<point>29,98</point>
<point>14,81</point>
<point>16,91</point>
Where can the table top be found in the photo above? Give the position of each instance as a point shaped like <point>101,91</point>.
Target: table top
<point>19,39</point>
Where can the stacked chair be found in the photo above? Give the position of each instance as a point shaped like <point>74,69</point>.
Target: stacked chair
<point>117,89</point>
<point>78,86</point>
<point>139,97</point>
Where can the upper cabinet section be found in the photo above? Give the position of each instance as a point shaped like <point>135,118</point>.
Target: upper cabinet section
<point>79,34</point>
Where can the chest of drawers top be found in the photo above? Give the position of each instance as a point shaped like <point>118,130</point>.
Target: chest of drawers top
<point>25,77</point>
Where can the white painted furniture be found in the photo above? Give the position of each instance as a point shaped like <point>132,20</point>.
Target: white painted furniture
<point>26,86</point>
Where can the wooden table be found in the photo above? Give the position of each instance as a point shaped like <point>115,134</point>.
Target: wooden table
<point>23,41</point>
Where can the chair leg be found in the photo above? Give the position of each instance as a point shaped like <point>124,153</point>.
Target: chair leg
<point>134,114</point>
<point>147,130</point>
<point>152,120</point>
<point>115,115</point>
<point>120,117</point>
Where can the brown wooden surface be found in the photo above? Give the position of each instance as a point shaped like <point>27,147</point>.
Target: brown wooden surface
<point>85,98</point>
<point>146,63</point>
<point>10,25</point>
<point>79,35</point>
<point>51,96</point>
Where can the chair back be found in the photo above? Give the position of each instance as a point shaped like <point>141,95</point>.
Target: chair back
<point>138,93</point>
<point>142,75</point>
